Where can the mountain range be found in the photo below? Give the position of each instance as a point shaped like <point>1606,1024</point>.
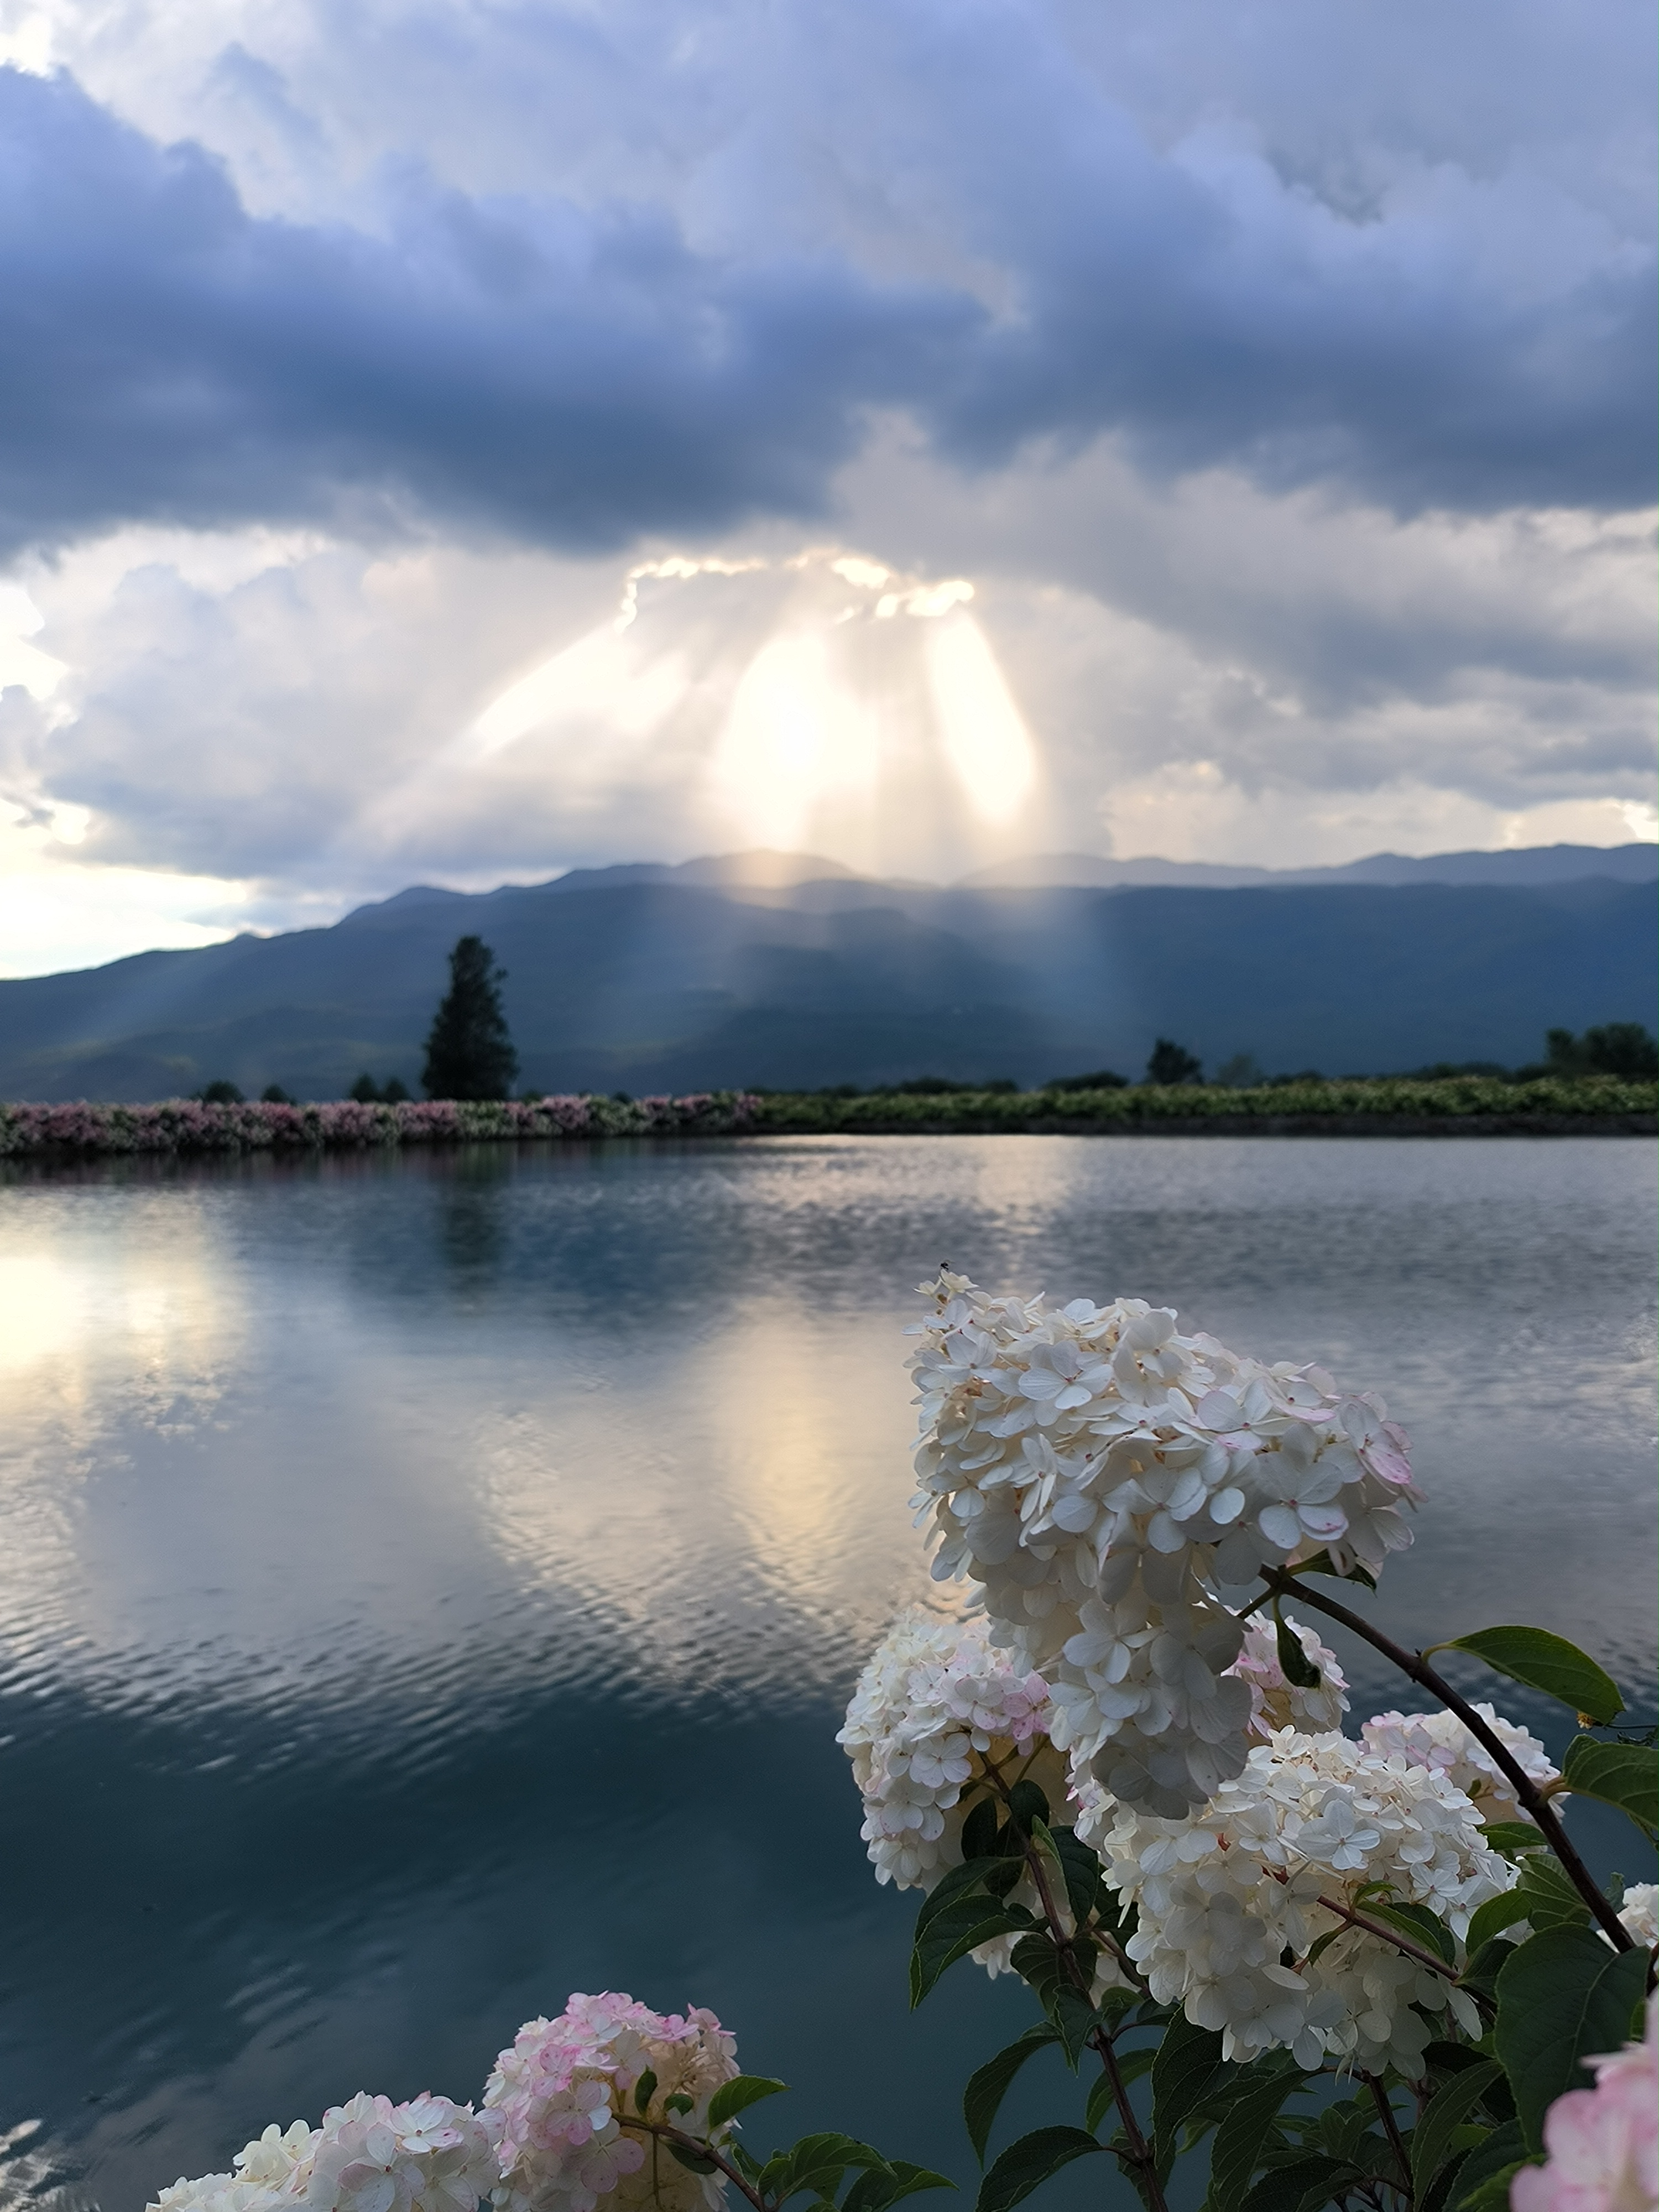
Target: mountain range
<point>784,970</point>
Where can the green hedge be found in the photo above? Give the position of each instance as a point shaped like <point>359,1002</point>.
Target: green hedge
<point>1548,1100</point>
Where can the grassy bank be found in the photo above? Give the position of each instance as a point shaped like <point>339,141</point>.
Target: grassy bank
<point>1468,1105</point>
<point>1388,1105</point>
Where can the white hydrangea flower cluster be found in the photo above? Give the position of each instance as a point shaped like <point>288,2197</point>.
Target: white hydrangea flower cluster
<point>1441,1741</point>
<point>935,1704</point>
<point>1640,1913</point>
<point>1098,1473</point>
<point>1278,1703</point>
<point>562,2090</point>
<point>369,2155</point>
<point>1225,1895</point>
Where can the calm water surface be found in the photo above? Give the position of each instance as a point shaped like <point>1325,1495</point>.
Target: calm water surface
<point>430,1585</point>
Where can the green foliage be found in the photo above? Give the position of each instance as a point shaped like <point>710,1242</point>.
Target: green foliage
<point>737,2096</point>
<point>220,1093</point>
<point>1025,2165</point>
<point>1621,1048</point>
<point>274,1095</point>
<point>1564,1994</point>
<point>1622,1774</point>
<point>988,2085</point>
<point>1545,1662</point>
<point>469,1051</point>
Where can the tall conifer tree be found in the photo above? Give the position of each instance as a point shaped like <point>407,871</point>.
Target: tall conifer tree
<point>468,1053</point>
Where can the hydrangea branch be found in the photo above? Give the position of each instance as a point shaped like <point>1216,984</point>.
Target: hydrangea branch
<point>1356,1919</point>
<point>1528,1793</point>
<point>676,2139</point>
<point>1391,2129</point>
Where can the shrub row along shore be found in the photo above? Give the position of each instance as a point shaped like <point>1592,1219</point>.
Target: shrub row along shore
<point>1387,1105</point>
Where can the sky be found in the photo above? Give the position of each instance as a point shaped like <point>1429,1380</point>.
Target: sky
<point>455,443</point>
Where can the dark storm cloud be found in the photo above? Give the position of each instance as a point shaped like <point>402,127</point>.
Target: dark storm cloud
<point>573,377</point>
<point>563,376</point>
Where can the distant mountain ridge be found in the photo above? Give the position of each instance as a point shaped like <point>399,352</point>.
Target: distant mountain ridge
<point>786,970</point>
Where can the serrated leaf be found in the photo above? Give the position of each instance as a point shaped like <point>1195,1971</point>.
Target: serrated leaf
<point>1076,2018</point>
<point>1322,1563</point>
<point>1293,1661</point>
<point>962,1926</point>
<point>1553,1900</point>
<point>1511,1837</point>
<point>1240,2137</point>
<point>1445,2113</point>
<point>879,2187</point>
<point>1303,2181</point>
<point>981,2099</point>
<point>1419,1924</point>
<point>1102,2098</point>
<point>1565,1995</point>
<point>737,2095</point>
<point>1186,2067</point>
<point>1491,1918</point>
<point>958,1882</point>
<point>1500,2154</point>
<point>1622,1774</point>
<point>1027,2164</point>
<point>1085,1877</point>
<point>1549,1663</point>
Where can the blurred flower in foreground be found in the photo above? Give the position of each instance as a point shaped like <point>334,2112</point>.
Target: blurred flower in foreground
<point>1603,2143</point>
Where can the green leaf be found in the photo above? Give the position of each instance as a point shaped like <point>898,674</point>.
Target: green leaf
<point>693,2160</point>
<point>1552,1897</point>
<point>737,2095</point>
<point>1501,2153</point>
<point>1027,1803</point>
<point>1103,2099</point>
<point>1564,1994</point>
<point>961,1928</point>
<point>1076,2018</point>
<point>644,2090</point>
<point>1242,2137</point>
<point>981,2099</point>
<point>1546,1662</point>
<point>1187,2065</point>
<point>1622,1774</point>
<point>679,2104</point>
<point>1494,2194</point>
<point>1027,2164</point>
<point>879,2187</point>
<point>1309,2181</point>
<point>1085,1877</point>
<point>1491,1918</point>
<point>1419,1924</point>
<point>958,1882</point>
<point>1445,2113</point>
<point>1322,1563</point>
<point>1293,1661</point>
<point>1511,1837</point>
<point>979,1831</point>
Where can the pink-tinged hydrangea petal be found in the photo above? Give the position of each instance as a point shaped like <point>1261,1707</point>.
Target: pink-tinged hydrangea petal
<point>1603,2144</point>
<point>563,2095</point>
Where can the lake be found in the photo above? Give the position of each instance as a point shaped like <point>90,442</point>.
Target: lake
<point>431,1582</point>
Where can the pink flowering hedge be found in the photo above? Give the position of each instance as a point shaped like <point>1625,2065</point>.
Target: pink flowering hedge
<point>187,1125</point>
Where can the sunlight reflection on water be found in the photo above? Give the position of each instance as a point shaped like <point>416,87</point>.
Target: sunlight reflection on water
<point>429,1584</point>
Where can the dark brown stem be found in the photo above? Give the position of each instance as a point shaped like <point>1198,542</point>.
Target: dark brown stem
<point>1391,2129</point>
<point>684,2141</point>
<point>1139,2152</point>
<point>1376,1928</point>
<point>1525,1790</point>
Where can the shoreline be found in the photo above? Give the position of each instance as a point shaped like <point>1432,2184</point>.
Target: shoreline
<point>1463,1106</point>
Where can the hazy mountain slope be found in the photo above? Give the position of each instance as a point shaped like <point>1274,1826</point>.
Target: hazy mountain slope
<point>657,984</point>
<point>1525,866</point>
